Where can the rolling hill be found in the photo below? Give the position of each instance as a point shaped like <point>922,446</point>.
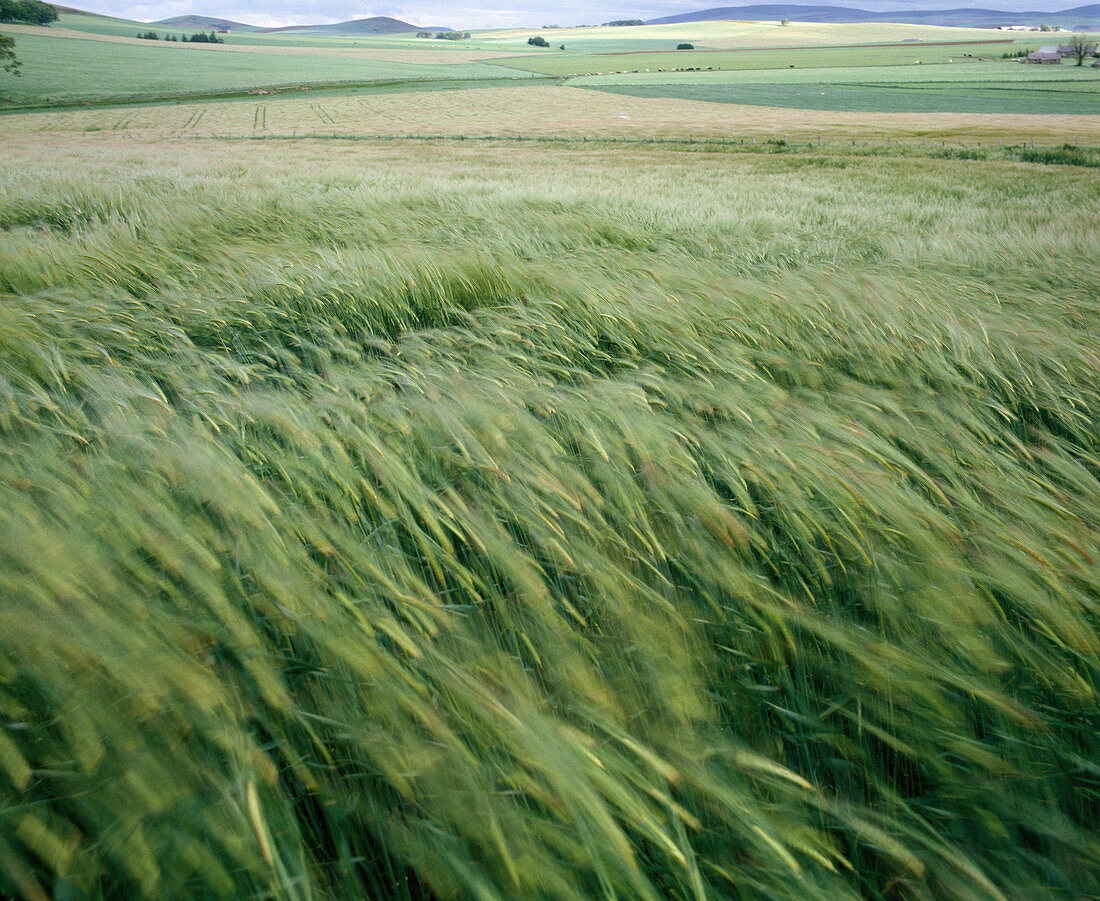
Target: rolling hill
<point>373,25</point>
<point>1087,16</point>
<point>206,22</point>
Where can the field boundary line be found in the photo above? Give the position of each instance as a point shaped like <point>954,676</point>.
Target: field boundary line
<point>887,146</point>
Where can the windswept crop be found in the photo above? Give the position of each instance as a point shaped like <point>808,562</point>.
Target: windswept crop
<point>554,527</point>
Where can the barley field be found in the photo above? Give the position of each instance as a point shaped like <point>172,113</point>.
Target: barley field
<point>419,520</point>
<point>504,109</point>
<point>421,480</point>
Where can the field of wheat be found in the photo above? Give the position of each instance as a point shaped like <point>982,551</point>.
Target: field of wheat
<point>442,521</point>
<point>503,109</point>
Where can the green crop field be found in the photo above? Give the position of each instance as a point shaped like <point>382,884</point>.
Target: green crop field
<point>728,35</point>
<point>423,521</point>
<point>900,84</point>
<point>947,97</point>
<point>1044,97</point>
<point>110,70</point>
<point>767,58</point>
<point>452,483</point>
<point>107,25</point>
<point>993,72</point>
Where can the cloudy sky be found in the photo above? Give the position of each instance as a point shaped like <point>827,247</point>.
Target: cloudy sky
<point>469,14</point>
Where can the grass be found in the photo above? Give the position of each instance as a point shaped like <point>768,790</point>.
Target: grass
<point>960,86</point>
<point>776,66</point>
<point>417,522</point>
<point>927,97</point>
<point>999,73</point>
<point>107,29</point>
<point>532,111</point>
<point>720,35</point>
<point>110,25</point>
<point>765,59</point>
<point>113,70</point>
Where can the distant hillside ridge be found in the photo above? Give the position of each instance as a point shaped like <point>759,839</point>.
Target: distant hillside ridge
<point>205,22</point>
<point>373,25</point>
<point>962,17</point>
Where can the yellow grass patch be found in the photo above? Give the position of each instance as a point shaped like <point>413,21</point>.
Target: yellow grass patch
<point>542,111</point>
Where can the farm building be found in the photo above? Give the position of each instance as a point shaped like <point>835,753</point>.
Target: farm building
<point>1070,50</point>
<point>1045,55</point>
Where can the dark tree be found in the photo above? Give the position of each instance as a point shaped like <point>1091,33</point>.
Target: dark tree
<point>33,12</point>
<point>201,37</point>
<point>1081,47</point>
<point>538,41</point>
<point>685,46</point>
<point>8,62</point>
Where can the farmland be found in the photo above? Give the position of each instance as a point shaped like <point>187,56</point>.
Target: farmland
<point>889,80</point>
<point>146,69</point>
<point>843,68</point>
<point>538,111</point>
<point>752,59</point>
<point>445,482</point>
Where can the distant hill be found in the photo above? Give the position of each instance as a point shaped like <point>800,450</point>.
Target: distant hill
<point>205,22</point>
<point>72,11</point>
<point>1087,16</point>
<point>374,25</point>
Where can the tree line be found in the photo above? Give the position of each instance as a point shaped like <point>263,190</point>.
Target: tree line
<point>30,12</point>
<point>198,37</point>
<point>445,35</point>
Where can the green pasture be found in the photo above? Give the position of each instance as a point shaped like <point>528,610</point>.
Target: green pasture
<point>925,97</point>
<point>559,63</point>
<point>298,38</point>
<point>70,70</point>
<point>111,26</point>
<point>965,86</point>
<point>517,521</point>
<point>729,34</point>
<point>995,72</point>
<point>575,41</point>
<point>323,39</point>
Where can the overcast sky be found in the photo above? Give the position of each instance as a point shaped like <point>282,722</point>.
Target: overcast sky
<point>469,14</point>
